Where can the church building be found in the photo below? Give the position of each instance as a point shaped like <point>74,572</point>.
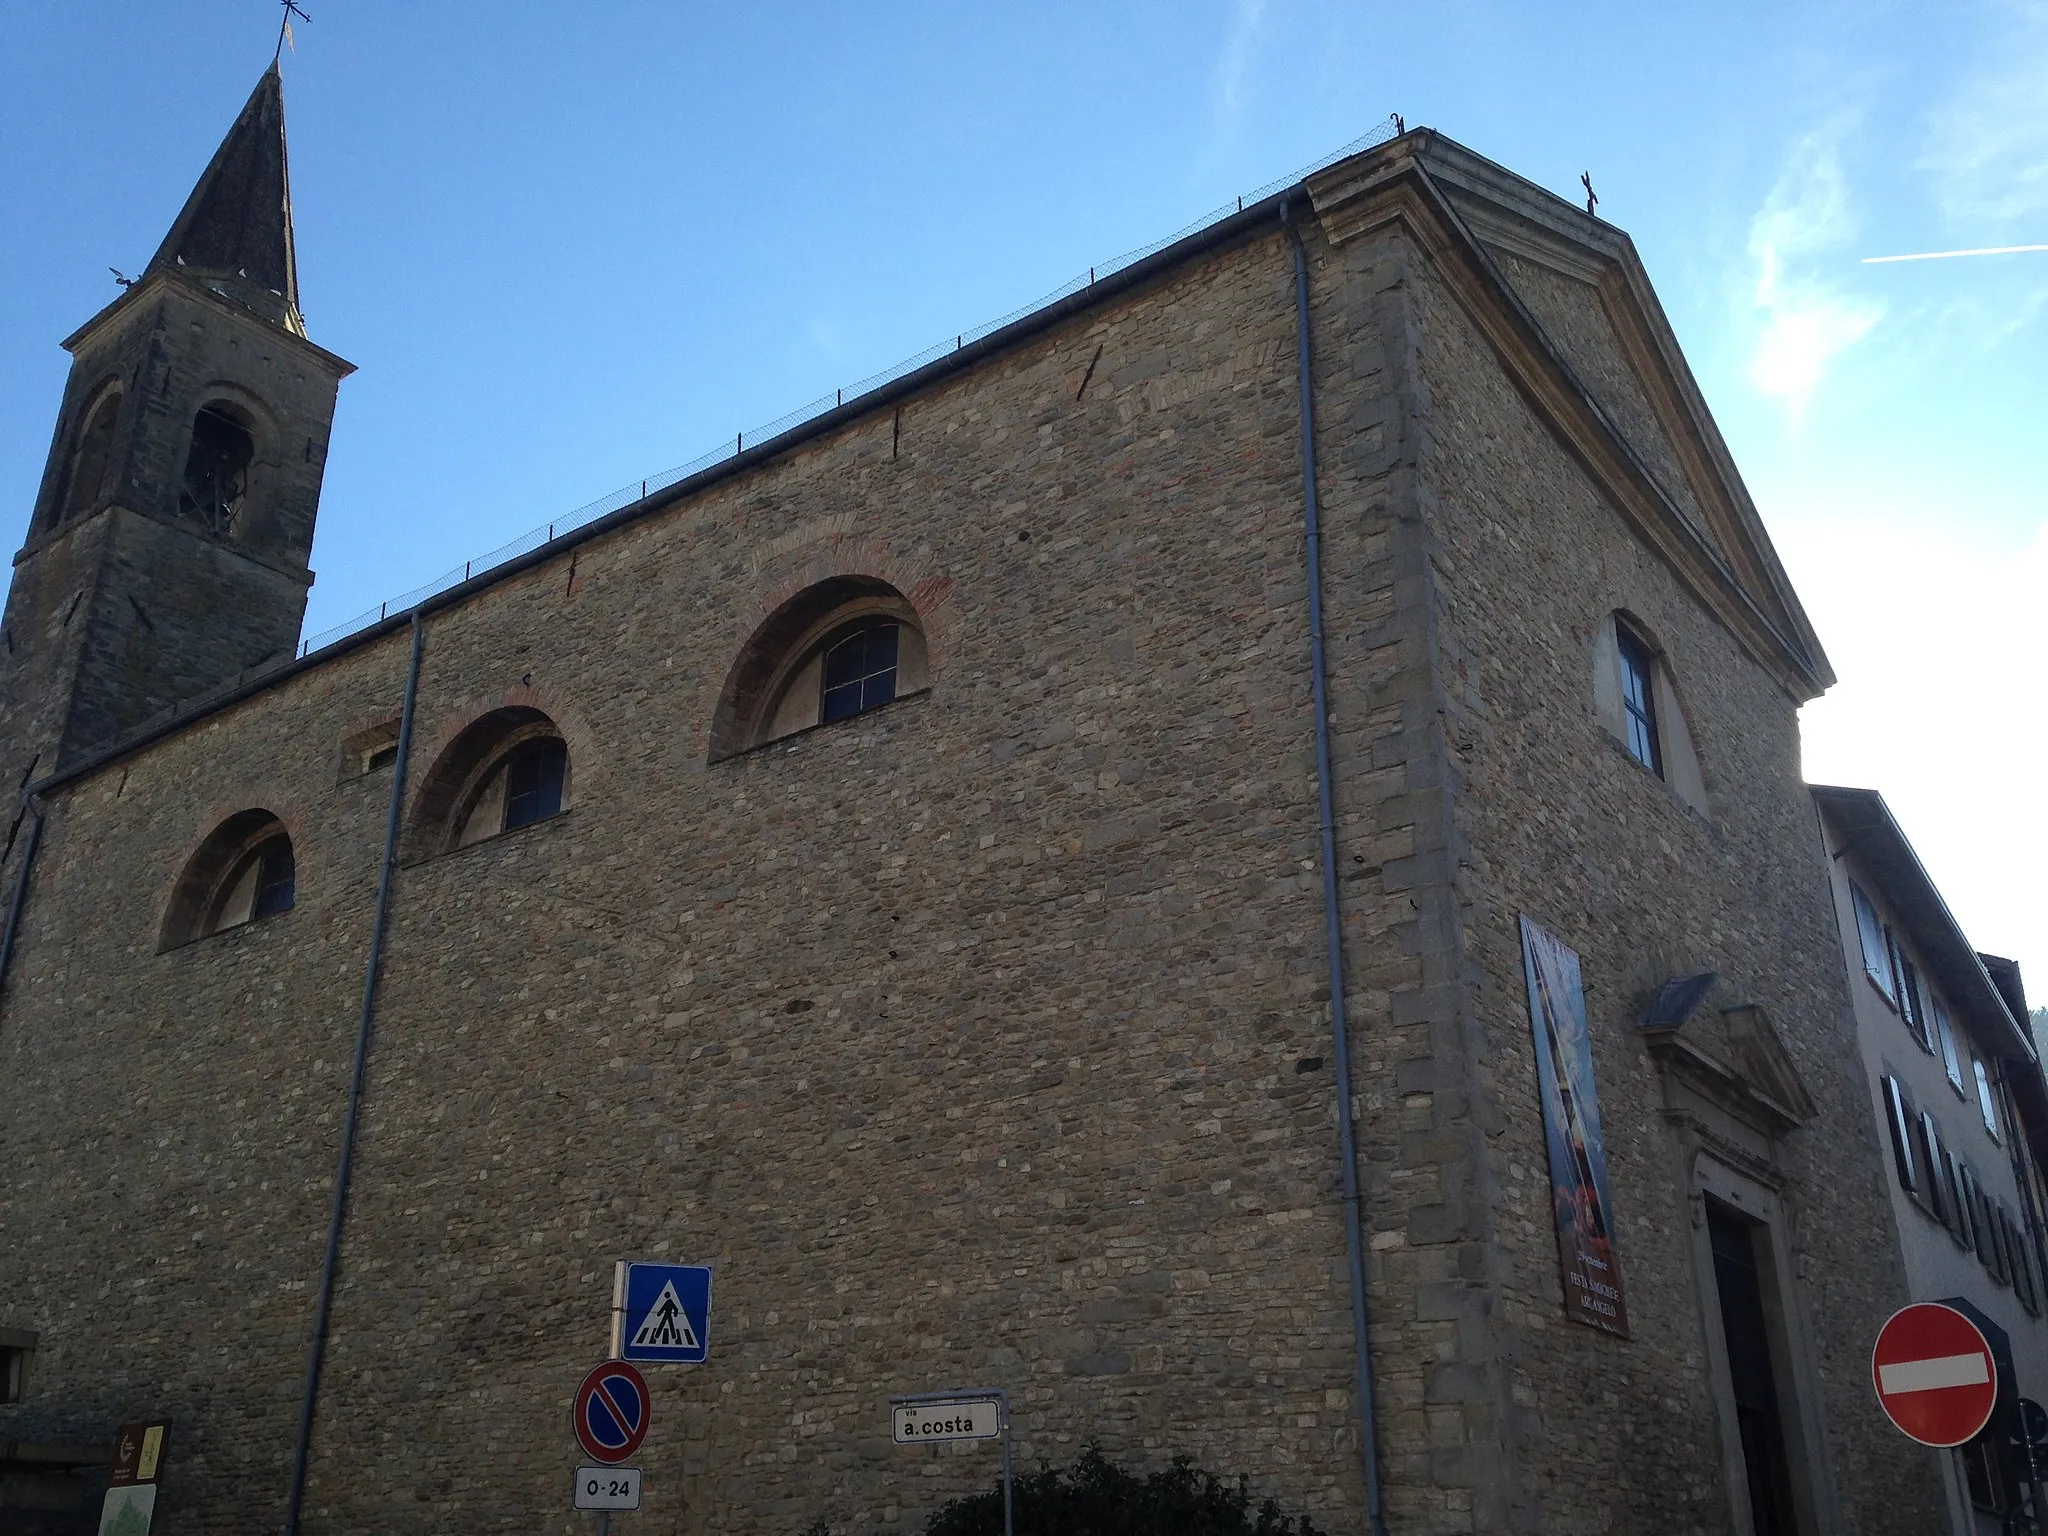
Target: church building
<point>1228,859</point>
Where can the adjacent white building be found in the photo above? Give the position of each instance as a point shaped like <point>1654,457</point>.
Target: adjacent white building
<point>1957,1090</point>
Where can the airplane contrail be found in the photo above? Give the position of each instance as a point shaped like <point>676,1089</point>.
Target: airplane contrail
<point>1988,250</point>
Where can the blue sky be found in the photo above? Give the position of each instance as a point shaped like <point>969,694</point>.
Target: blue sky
<point>570,246</point>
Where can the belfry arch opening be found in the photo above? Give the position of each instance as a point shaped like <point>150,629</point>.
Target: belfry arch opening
<point>837,649</point>
<point>88,470</point>
<point>215,489</point>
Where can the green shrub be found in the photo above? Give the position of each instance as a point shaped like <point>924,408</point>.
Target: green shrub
<point>1095,1498</point>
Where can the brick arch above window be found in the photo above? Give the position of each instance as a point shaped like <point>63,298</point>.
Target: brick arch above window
<point>493,771</point>
<point>834,648</point>
<point>789,578</point>
<point>244,870</point>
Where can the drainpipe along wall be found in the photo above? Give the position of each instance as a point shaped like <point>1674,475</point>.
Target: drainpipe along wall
<point>296,1498</point>
<point>1333,932</point>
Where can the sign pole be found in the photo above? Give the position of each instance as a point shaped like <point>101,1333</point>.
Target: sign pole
<point>926,1418</point>
<point>617,1344</point>
<point>1006,1468</point>
<point>2027,1419</point>
<point>613,1349</point>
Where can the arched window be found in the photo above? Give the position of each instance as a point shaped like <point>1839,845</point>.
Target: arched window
<point>507,770</point>
<point>216,484</point>
<point>243,872</point>
<point>1637,700</point>
<point>837,649</point>
<point>858,668</point>
<point>89,457</point>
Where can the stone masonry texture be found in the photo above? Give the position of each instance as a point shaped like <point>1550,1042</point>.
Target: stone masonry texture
<point>982,1039</point>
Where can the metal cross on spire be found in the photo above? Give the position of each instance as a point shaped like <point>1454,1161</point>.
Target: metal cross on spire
<point>284,27</point>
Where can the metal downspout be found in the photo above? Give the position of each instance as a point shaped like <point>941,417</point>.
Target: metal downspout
<point>1333,936</point>
<point>355,1091</point>
<point>28,859</point>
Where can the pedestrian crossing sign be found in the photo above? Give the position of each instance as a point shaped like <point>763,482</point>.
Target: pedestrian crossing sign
<point>662,1313</point>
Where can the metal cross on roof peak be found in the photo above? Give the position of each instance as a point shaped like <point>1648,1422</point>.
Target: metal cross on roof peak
<point>284,27</point>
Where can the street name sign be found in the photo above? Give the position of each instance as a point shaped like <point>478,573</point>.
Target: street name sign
<point>1936,1373</point>
<point>607,1487</point>
<point>613,1407</point>
<point>960,1419</point>
<point>958,1413</point>
<point>663,1313</point>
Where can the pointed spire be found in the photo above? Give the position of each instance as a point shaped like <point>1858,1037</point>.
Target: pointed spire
<point>235,231</point>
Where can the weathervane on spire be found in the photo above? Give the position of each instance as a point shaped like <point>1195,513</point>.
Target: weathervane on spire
<point>284,30</point>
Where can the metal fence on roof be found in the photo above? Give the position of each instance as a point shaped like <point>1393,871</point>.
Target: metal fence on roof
<point>639,490</point>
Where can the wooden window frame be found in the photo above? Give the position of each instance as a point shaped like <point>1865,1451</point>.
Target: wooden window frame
<point>1638,663</point>
<point>1873,938</point>
<point>1898,1108</point>
<point>1945,1038</point>
<point>1987,1101</point>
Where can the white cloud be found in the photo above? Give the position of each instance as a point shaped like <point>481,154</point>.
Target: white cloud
<point>1940,648</point>
<point>1987,144</point>
<point>1802,322</point>
<point>1247,21</point>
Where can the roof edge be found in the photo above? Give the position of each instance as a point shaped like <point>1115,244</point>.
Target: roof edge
<point>1231,228</point>
<point>1878,824</point>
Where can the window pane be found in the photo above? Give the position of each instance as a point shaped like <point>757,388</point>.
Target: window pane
<point>2023,1280</point>
<point>533,783</point>
<point>1900,1116</point>
<point>846,661</point>
<point>277,884</point>
<point>1959,1204</point>
<point>841,702</point>
<point>1930,1154</point>
<point>878,688</point>
<point>1982,1477</point>
<point>1638,702</point>
<point>1639,739</point>
<point>1987,1104</point>
<point>1945,1032</point>
<point>1897,963</point>
<point>239,904</point>
<point>1910,1002</point>
<point>860,673</point>
<point>1877,963</point>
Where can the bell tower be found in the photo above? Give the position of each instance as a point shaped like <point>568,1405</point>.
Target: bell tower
<point>168,548</point>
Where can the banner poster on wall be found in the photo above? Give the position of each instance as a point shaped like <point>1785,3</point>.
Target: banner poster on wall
<point>1580,1204</point>
<point>130,1505</point>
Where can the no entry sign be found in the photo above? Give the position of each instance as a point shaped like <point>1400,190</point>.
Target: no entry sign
<point>612,1410</point>
<point>1936,1373</point>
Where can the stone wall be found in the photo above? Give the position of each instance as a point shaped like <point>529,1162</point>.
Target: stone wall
<point>980,1040</point>
<point>1562,824</point>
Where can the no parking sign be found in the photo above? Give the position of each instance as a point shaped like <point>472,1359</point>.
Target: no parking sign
<point>613,1407</point>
